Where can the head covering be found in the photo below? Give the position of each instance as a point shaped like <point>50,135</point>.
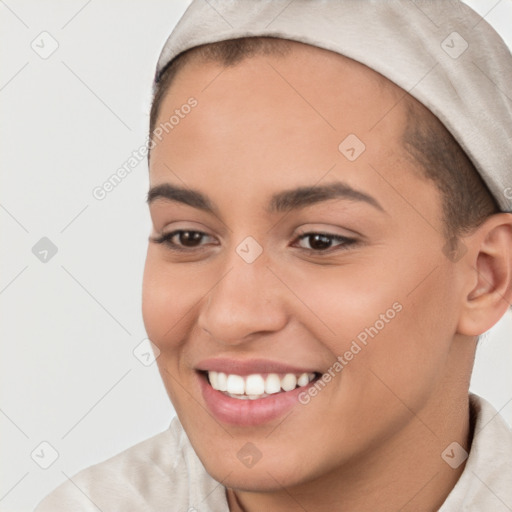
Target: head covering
<point>440,51</point>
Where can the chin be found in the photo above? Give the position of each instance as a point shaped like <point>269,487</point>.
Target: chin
<point>269,474</point>
<point>263,479</point>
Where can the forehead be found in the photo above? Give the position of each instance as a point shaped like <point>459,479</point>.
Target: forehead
<point>346,96</point>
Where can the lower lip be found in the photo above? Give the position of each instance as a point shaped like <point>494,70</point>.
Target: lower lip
<point>246,413</point>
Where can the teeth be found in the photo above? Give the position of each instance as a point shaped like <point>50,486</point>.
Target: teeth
<point>272,383</point>
<point>235,385</point>
<point>252,387</point>
<point>222,382</point>
<point>303,380</point>
<point>214,379</point>
<point>289,382</point>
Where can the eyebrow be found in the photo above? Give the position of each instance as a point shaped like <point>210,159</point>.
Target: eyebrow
<point>285,201</point>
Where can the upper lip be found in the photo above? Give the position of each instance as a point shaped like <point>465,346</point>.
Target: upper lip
<point>249,366</point>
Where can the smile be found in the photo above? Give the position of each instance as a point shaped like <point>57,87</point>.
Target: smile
<point>249,393</point>
<point>256,386</point>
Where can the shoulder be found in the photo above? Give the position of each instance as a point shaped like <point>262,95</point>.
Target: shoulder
<point>485,481</point>
<point>148,476</point>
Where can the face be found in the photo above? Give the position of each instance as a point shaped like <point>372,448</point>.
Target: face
<point>296,261</point>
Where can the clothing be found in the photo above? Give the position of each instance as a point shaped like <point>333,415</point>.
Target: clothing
<point>440,51</point>
<point>163,473</point>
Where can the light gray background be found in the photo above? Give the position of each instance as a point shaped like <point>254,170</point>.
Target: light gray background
<point>69,326</point>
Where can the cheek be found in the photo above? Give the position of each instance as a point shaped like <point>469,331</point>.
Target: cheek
<point>391,328</point>
<point>341,303</point>
<point>168,299</point>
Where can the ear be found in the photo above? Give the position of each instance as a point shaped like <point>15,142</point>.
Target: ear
<point>489,275</point>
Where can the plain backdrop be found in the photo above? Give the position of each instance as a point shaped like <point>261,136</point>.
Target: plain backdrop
<point>71,321</point>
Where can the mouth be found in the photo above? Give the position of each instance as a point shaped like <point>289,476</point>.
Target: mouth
<point>256,386</point>
<point>252,393</point>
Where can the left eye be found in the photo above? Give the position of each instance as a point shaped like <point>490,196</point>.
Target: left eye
<point>319,242</point>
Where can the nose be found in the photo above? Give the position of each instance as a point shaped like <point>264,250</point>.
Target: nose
<point>245,302</point>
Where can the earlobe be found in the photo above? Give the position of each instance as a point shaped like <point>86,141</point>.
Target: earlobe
<point>489,275</point>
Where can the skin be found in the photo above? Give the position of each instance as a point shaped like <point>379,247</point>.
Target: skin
<point>373,438</point>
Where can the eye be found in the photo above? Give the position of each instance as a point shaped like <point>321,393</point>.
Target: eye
<point>182,239</point>
<point>322,242</point>
<point>315,242</point>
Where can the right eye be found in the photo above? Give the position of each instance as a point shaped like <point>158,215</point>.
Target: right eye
<point>182,239</point>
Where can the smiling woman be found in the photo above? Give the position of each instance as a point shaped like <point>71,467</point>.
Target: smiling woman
<point>326,249</point>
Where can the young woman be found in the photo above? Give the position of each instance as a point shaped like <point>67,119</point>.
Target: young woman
<point>329,188</point>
